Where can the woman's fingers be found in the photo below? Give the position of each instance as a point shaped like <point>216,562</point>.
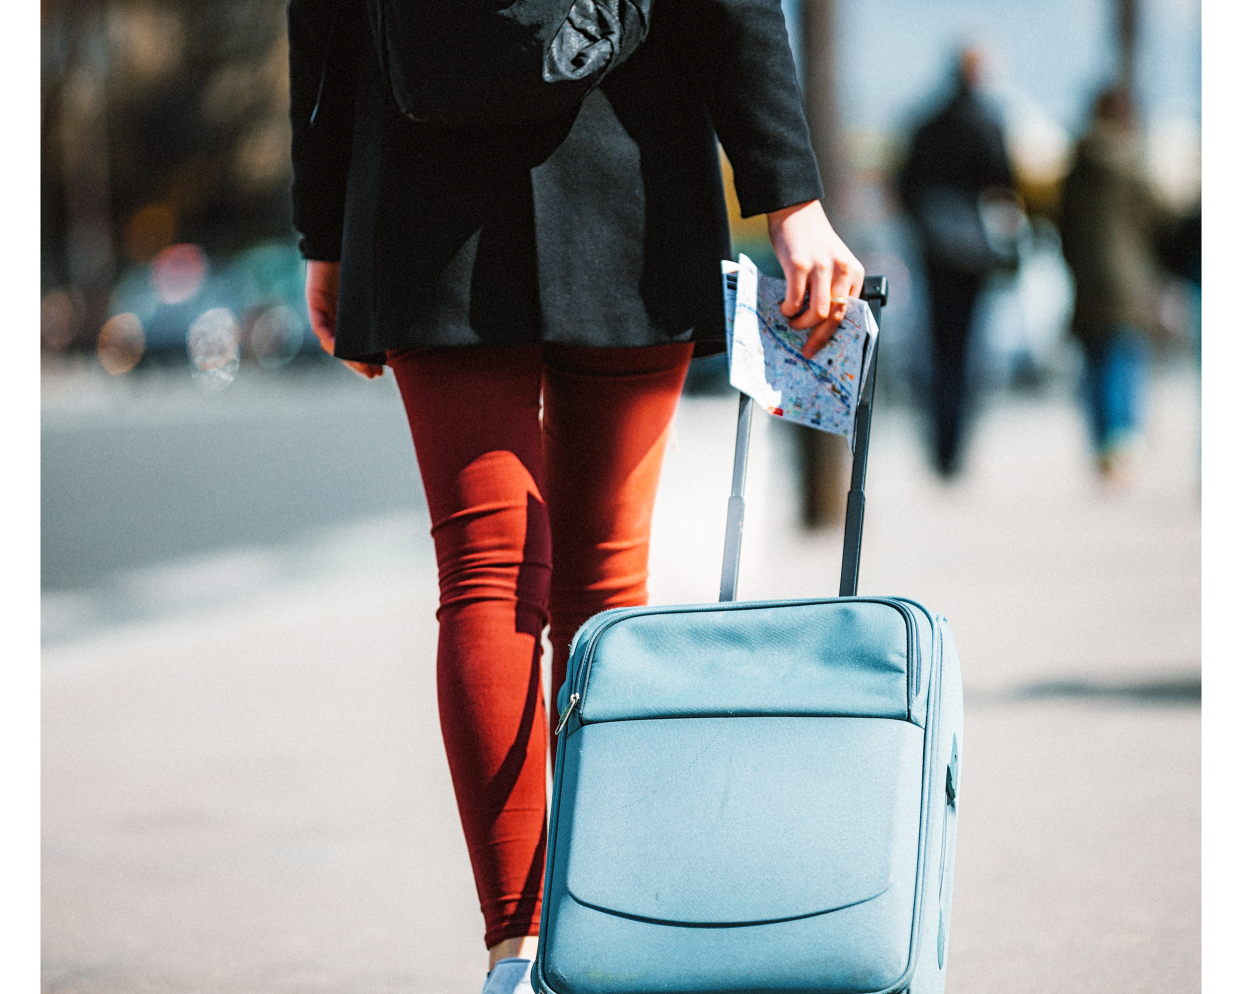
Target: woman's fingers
<point>819,269</point>
<point>368,369</point>
<point>845,282</point>
<point>820,307</point>
<point>795,289</point>
<point>818,338</point>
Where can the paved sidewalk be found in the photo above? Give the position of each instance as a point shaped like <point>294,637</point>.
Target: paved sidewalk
<point>245,790</point>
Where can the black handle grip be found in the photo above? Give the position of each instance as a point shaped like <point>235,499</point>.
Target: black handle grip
<point>875,293</point>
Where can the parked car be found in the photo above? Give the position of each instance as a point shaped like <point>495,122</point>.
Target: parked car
<point>213,313</point>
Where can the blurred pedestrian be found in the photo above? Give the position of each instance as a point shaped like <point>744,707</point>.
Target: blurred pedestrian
<point>538,290</point>
<point>1111,221</point>
<point>957,159</point>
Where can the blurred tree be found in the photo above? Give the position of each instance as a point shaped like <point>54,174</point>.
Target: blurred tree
<point>161,122</point>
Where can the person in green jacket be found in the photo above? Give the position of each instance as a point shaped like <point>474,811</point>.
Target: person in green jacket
<point>1110,222</point>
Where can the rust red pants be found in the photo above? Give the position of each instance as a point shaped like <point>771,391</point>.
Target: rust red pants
<point>535,521</point>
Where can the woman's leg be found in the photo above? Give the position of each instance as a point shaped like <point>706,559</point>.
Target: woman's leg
<point>474,416</point>
<point>1125,389</point>
<point>1093,355</point>
<point>1116,378</point>
<point>606,417</point>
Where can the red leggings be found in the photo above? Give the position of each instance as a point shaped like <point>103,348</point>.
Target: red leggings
<point>534,523</point>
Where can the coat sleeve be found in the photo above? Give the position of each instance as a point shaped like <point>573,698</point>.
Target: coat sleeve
<point>325,43</point>
<point>747,77</point>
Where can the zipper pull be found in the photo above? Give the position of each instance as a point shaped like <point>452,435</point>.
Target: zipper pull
<point>569,709</point>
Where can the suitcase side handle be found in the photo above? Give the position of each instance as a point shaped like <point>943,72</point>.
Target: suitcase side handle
<point>875,293</point>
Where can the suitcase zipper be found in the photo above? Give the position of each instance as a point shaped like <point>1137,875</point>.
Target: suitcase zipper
<point>569,709</point>
<point>588,651</point>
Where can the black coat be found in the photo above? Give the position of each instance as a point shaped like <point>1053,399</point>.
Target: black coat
<point>606,230</point>
<point>961,146</point>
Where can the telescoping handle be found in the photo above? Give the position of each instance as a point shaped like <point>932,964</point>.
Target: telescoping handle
<point>875,293</point>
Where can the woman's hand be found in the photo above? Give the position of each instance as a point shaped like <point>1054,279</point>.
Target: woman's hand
<point>322,281</point>
<point>816,260</point>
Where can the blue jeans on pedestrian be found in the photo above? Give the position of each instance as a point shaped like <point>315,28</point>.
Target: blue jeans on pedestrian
<point>1116,385</point>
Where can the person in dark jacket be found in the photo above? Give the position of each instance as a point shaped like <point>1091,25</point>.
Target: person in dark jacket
<point>538,291</point>
<point>1111,223</point>
<point>955,157</point>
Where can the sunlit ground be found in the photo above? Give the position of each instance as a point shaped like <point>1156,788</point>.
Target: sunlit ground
<point>244,787</point>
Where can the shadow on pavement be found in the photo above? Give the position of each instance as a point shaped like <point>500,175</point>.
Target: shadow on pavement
<point>1173,690</point>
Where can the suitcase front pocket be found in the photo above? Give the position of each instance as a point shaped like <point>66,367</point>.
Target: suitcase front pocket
<point>763,836</point>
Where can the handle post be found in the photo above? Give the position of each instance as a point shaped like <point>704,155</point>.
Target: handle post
<point>737,503</point>
<point>875,293</point>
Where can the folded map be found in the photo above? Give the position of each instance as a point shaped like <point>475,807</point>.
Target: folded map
<point>765,354</point>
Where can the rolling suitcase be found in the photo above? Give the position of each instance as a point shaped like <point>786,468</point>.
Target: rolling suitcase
<point>756,796</point>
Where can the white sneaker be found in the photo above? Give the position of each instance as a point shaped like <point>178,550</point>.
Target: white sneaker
<point>509,976</point>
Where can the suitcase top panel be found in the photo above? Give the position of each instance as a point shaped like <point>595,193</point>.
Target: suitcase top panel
<point>848,657</point>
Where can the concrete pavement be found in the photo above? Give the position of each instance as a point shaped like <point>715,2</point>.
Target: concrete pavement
<point>244,786</point>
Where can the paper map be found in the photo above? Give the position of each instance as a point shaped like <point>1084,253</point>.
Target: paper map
<point>765,354</point>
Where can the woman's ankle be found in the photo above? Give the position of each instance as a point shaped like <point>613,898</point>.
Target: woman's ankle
<point>522,947</point>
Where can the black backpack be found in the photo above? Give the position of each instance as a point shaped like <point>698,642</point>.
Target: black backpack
<point>461,63</point>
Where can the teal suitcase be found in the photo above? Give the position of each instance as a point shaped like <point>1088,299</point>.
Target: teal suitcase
<point>756,796</point>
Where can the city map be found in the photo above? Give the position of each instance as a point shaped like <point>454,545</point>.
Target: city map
<point>765,354</point>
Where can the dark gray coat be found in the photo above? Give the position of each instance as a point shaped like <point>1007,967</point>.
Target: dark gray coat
<point>1110,219</point>
<point>606,230</point>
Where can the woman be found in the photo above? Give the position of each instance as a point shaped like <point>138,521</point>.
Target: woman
<point>573,265</point>
<point>1110,223</point>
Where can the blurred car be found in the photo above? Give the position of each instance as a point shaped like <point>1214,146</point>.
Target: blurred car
<point>213,312</point>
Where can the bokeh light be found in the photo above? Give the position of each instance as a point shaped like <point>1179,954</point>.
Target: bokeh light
<point>214,343</point>
<point>177,273</point>
<point>120,343</point>
<point>60,315</point>
<point>276,336</point>
<point>149,231</point>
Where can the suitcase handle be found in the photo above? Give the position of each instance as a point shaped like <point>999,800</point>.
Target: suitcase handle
<point>875,293</point>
